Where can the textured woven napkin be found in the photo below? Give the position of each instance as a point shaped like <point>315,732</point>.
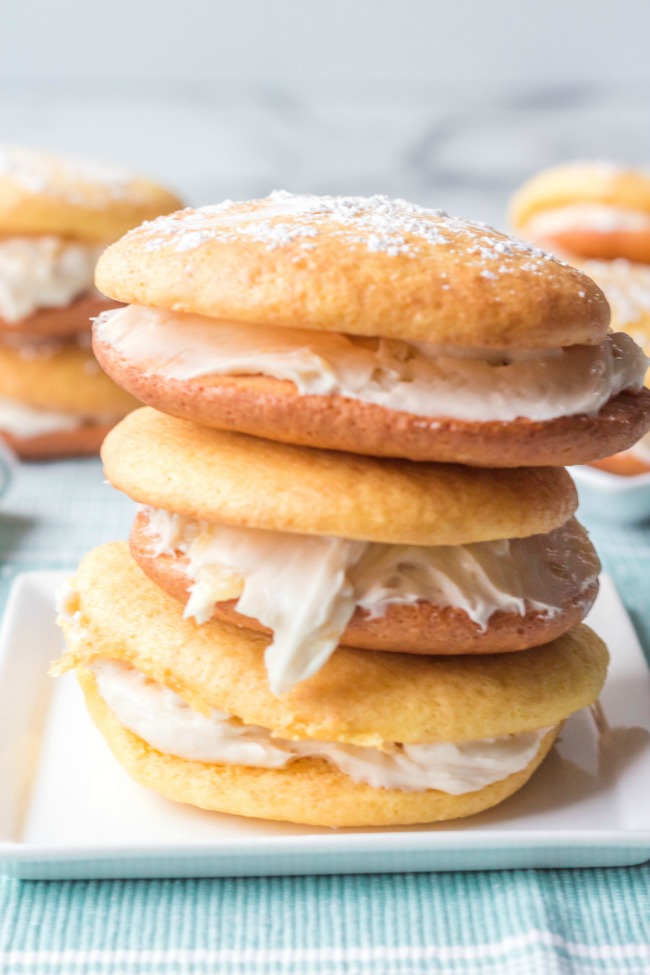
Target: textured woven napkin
<point>499,923</point>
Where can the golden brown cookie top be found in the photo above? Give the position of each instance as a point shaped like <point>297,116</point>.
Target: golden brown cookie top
<point>359,696</point>
<point>580,183</point>
<point>61,376</point>
<point>44,193</point>
<point>235,479</point>
<point>362,265</point>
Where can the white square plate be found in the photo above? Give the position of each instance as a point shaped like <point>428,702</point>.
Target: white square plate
<point>67,810</point>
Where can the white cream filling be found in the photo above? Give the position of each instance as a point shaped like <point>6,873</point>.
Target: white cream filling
<point>43,272</point>
<point>161,718</point>
<point>22,420</point>
<point>421,379</point>
<point>306,587</point>
<point>597,217</point>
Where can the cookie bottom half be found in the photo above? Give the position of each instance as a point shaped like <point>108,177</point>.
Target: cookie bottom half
<point>308,791</point>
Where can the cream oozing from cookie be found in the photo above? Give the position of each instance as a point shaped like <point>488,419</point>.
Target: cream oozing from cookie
<point>305,588</point>
<point>416,378</point>
<point>43,272</point>
<point>24,421</point>
<point>163,720</point>
<point>599,218</point>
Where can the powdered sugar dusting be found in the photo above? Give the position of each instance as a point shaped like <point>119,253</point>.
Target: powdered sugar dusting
<point>65,176</point>
<point>375,224</point>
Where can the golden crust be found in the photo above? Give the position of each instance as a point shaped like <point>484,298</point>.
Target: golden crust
<point>272,408</point>
<point>42,193</point>
<point>238,480</point>
<point>418,628</point>
<point>80,442</point>
<point>445,281</point>
<point>65,379</point>
<point>309,791</point>
<point>581,182</point>
<point>359,696</point>
<point>58,323</point>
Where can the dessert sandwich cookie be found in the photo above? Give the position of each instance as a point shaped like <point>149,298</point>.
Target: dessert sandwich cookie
<point>373,739</point>
<point>587,209</point>
<point>372,326</point>
<point>319,548</point>
<point>57,214</point>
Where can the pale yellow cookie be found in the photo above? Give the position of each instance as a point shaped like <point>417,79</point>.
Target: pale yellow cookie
<point>63,377</point>
<point>309,791</point>
<point>588,209</point>
<point>364,266</point>
<point>43,193</point>
<point>238,480</point>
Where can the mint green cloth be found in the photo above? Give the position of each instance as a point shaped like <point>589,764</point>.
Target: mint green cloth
<point>500,923</point>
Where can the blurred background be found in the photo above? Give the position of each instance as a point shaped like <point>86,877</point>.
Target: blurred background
<point>448,104</point>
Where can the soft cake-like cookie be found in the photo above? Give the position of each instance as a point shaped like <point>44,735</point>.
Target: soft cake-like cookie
<point>320,547</point>
<point>45,193</point>
<point>238,480</point>
<point>372,326</point>
<point>587,209</point>
<point>372,739</point>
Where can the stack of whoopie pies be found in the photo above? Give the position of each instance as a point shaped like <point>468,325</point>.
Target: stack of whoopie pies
<point>354,590</point>
<point>57,214</point>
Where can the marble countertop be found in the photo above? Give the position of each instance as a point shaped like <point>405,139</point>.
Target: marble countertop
<point>464,150</point>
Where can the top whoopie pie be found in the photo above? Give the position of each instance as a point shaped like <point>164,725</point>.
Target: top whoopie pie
<point>587,209</point>
<point>372,326</point>
<point>57,213</point>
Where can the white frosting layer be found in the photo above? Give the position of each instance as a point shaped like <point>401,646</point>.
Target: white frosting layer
<point>162,719</point>
<point>423,380</point>
<point>42,272</point>
<point>21,420</point>
<point>597,217</point>
<point>306,587</point>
